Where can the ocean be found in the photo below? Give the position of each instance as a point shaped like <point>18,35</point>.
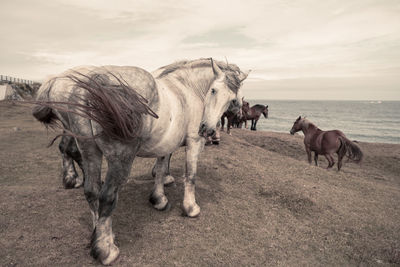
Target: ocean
<point>367,121</point>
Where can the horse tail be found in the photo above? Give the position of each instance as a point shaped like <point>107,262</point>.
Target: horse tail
<point>116,107</point>
<point>350,149</point>
<point>44,114</point>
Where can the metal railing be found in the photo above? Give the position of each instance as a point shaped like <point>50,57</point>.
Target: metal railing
<point>4,78</point>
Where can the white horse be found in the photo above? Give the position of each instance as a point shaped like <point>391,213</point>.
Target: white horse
<point>123,112</point>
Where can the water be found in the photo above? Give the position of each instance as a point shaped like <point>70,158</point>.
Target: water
<point>368,121</point>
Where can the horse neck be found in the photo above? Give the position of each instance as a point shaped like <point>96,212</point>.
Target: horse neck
<point>308,128</point>
<point>194,80</point>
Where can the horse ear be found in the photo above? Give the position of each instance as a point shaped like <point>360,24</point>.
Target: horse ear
<point>267,106</point>
<point>299,118</point>
<point>217,71</point>
<point>243,76</point>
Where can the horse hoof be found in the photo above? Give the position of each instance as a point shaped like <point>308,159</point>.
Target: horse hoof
<point>70,182</point>
<point>104,251</point>
<point>215,142</point>
<point>78,183</point>
<point>111,256</point>
<point>192,211</point>
<point>169,180</point>
<point>159,202</point>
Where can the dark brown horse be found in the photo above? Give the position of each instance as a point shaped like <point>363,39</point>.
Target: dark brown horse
<point>234,116</point>
<point>254,115</point>
<point>326,143</point>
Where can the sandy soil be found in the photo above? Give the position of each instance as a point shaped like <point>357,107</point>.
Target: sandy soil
<point>262,204</point>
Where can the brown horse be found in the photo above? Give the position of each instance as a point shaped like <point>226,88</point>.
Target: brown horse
<point>232,116</point>
<point>326,143</point>
<point>254,115</point>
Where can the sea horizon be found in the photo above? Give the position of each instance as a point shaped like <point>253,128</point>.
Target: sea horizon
<point>376,121</point>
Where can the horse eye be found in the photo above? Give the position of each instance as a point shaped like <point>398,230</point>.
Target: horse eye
<point>213,91</point>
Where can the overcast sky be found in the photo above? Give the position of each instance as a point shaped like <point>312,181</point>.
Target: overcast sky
<point>307,49</point>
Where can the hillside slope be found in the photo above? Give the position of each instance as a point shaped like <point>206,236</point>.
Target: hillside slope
<point>262,204</point>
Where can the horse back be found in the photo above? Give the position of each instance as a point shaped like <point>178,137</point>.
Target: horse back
<point>61,88</point>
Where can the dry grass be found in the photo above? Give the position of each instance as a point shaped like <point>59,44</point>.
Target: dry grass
<point>262,204</point>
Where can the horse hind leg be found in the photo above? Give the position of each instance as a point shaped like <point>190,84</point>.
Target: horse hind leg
<point>119,158</point>
<point>157,196</point>
<point>330,160</point>
<point>69,153</point>
<point>168,178</point>
<point>340,159</point>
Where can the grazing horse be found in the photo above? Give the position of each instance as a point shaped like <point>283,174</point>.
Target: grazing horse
<point>233,116</point>
<point>326,143</point>
<point>123,112</point>
<point>255,113</point>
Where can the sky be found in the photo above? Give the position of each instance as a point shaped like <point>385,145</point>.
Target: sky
<point>304,49</point>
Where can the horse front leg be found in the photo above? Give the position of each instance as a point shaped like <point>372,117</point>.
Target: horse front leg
<point>316,158</point>
<point>160,174</point>
<point>222,123</point>
<point>193,149</point>
<point>119,159</point>
<point>255,125</point>
<point>229,126</point>
<point>308,151</point>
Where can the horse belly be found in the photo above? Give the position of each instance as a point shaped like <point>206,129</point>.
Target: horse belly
<point>159,147</point>
<point>168,132</point>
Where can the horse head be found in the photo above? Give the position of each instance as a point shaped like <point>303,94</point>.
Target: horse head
<point>297,125</point>
<point>265,112</point>
<point>224,92</point>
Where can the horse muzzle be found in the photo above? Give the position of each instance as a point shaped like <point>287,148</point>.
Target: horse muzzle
<point>205,131</point>
<point>292,132</point>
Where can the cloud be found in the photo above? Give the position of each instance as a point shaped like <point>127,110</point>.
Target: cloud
<point>277,39</point>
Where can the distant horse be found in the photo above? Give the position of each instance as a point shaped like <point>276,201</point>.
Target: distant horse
<point>233,115</point>
<point>123,112</point>
<point>326,143</point>
<point>254,115</point>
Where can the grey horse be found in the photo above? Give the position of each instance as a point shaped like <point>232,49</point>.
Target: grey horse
<point>122,112</point>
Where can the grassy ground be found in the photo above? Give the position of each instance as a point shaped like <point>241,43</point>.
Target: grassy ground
<point>262,204</point>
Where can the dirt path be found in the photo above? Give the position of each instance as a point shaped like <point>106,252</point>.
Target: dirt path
<point>262,204</point>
